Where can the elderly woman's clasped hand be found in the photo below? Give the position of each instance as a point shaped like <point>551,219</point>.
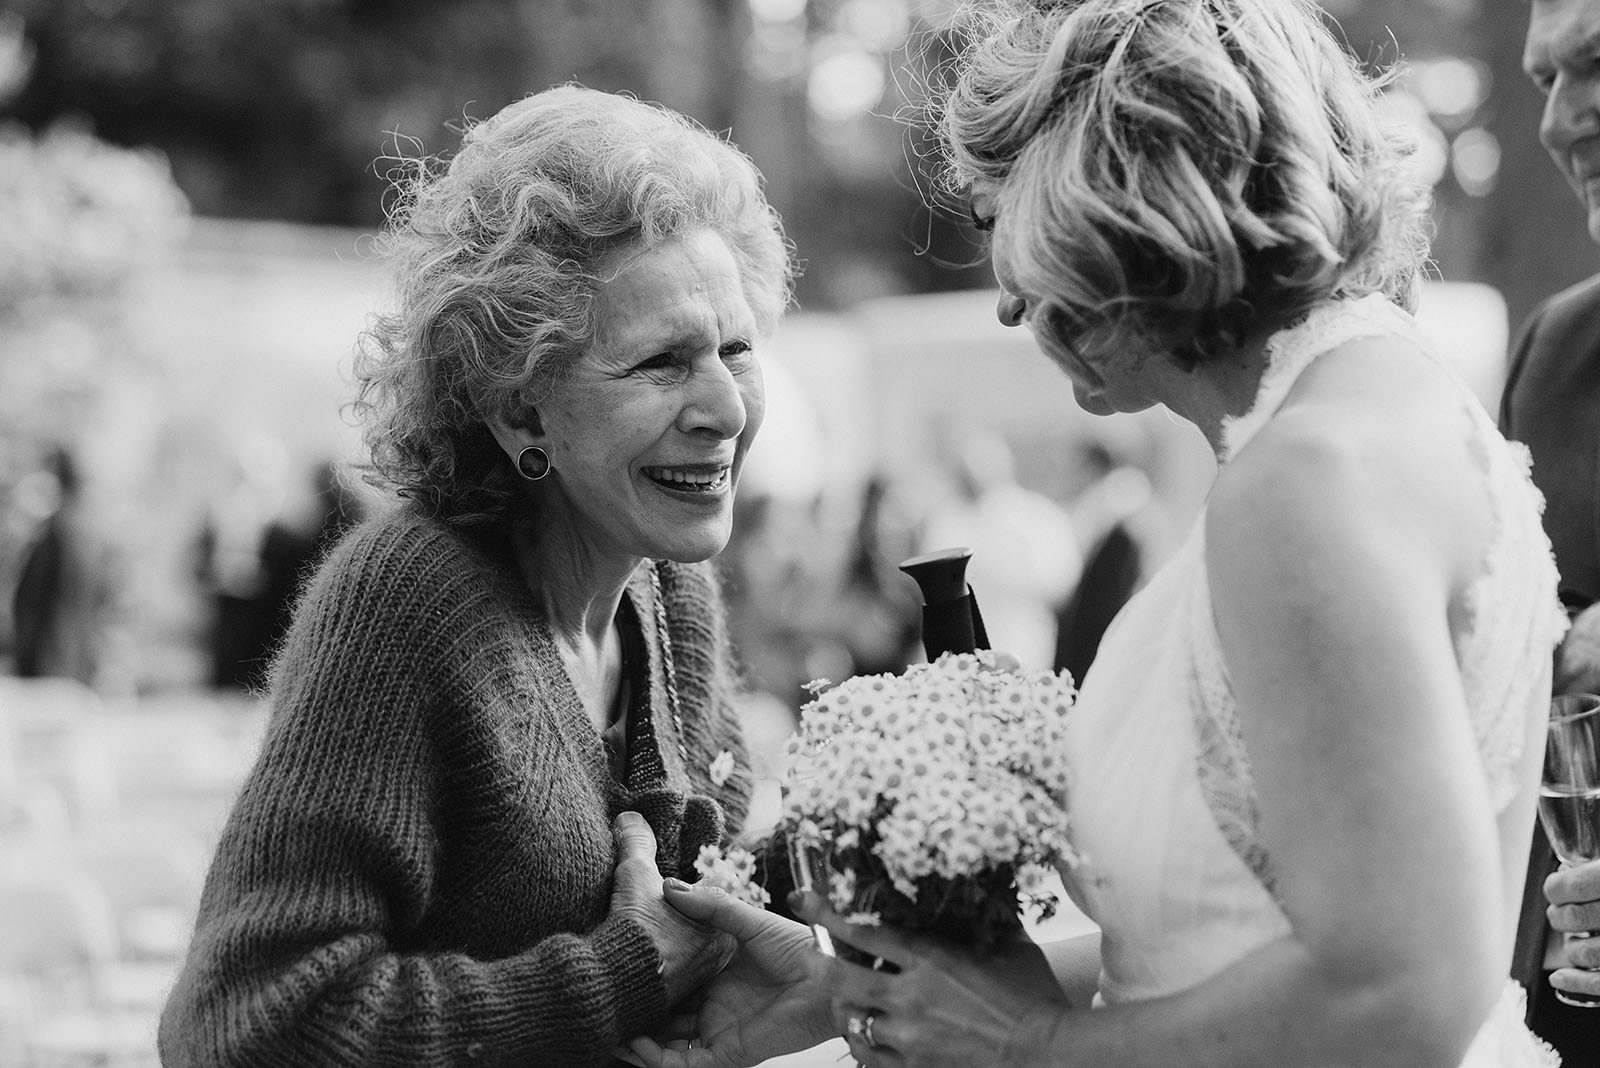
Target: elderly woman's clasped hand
<point>691,952</point>
<point>926,1006</point>
<point>772,998</point>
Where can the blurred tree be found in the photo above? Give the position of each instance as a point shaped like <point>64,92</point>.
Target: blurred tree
<point>285,109</point>
<point>278,108</point>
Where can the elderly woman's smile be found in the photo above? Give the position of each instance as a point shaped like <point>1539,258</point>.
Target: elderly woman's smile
<point>696,478</point>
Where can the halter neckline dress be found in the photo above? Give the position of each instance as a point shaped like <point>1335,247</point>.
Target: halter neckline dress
<point>1162,802</point>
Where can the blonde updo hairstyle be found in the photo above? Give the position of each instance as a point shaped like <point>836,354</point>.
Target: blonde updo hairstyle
<point>1181,172</point>
<point>496,257</point>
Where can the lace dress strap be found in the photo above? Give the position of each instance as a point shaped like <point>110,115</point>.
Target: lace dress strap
<point>1292,350</point>
<point>1513,618</point>
<point>1222,765</point>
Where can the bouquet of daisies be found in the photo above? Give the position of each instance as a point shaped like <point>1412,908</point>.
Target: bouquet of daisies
<point>933,800</point>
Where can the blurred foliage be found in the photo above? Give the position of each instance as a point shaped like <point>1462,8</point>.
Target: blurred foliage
<point>81,214</point>
<point>82,217</point>
<point>285,109</point>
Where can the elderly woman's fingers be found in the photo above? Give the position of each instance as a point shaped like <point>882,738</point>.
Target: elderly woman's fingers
<point>635,840</point>
<point>636,876</point>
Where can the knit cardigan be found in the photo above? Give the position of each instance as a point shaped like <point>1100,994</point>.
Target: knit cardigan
<point>418,868</point>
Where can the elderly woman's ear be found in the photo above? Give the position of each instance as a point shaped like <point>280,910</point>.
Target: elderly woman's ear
<point>517,436</point>
<point>517,432</point>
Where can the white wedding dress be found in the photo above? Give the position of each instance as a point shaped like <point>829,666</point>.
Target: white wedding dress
<point>1161,797</point>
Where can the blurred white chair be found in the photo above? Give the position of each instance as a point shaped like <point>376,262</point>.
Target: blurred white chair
<point>58,944</point>
<point>152,872</point>
<point>32,702</point>
<point>57,929</point>
<point>61,763</point>
<point>182,761</point>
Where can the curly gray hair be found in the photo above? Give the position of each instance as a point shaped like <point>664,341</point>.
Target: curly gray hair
<point>495,257</point>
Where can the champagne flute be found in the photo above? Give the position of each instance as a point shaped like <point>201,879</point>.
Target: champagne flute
<point>1569,795</point>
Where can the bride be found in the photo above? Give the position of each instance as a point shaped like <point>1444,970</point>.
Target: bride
<point>1304,762</point>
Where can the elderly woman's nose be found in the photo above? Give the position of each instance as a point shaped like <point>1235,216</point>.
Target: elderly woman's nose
<point>1010,309</point>
<point>715,403</point>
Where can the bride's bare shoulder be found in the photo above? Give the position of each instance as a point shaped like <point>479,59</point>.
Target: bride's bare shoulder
<point>1374,445</point>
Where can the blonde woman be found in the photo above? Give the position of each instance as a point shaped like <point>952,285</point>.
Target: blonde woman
<point>1305,758</point>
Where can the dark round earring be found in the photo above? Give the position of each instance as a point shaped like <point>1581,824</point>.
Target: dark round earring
<point>533,463</point>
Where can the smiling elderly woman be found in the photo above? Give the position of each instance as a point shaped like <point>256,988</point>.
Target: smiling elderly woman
<point>433,861</point>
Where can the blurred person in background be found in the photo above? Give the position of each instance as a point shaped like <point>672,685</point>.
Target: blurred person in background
<point>1303,766</point>
<point>256,547</point>
<point>875,607</point>
<point>66,590</point>
<point>770,575</point>
<point>243,624</point>
<point>503,711</point>
<point>1108,512</point>
<point>1025,555</point>
<point>1551,402</point>
<point>292,543</point>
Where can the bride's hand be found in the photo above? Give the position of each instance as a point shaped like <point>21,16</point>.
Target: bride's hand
<point>943,1008</point>
<point>771,999</point>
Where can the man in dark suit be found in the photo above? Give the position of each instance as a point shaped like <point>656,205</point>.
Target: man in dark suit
<point>1552,403</point>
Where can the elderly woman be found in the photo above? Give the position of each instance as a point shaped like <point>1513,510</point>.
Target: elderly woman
<point>421,868</point>
<point>1304,762</point>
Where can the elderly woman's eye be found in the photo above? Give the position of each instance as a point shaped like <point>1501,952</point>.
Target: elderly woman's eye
<point>660,361</point>
<point>735,348</point>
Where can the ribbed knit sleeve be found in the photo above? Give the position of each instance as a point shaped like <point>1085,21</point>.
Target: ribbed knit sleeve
<point>375,898</point>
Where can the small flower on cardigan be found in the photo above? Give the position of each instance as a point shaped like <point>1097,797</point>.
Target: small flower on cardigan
<point>722,768</point>
<point>734,872</point>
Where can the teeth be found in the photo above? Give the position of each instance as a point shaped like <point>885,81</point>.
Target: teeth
<point>694,479</point>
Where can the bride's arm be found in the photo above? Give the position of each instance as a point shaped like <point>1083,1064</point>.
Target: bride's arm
<point>1339,544</point>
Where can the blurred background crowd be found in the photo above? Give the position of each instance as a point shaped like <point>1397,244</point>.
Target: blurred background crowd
<point>187,192</point>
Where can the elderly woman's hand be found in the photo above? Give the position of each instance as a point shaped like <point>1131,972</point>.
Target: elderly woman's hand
<point>691,952</point>
<point>1574,895</point>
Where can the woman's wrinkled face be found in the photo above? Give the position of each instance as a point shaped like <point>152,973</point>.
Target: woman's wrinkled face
<point>1104,376</point>
<point>648,431</point>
